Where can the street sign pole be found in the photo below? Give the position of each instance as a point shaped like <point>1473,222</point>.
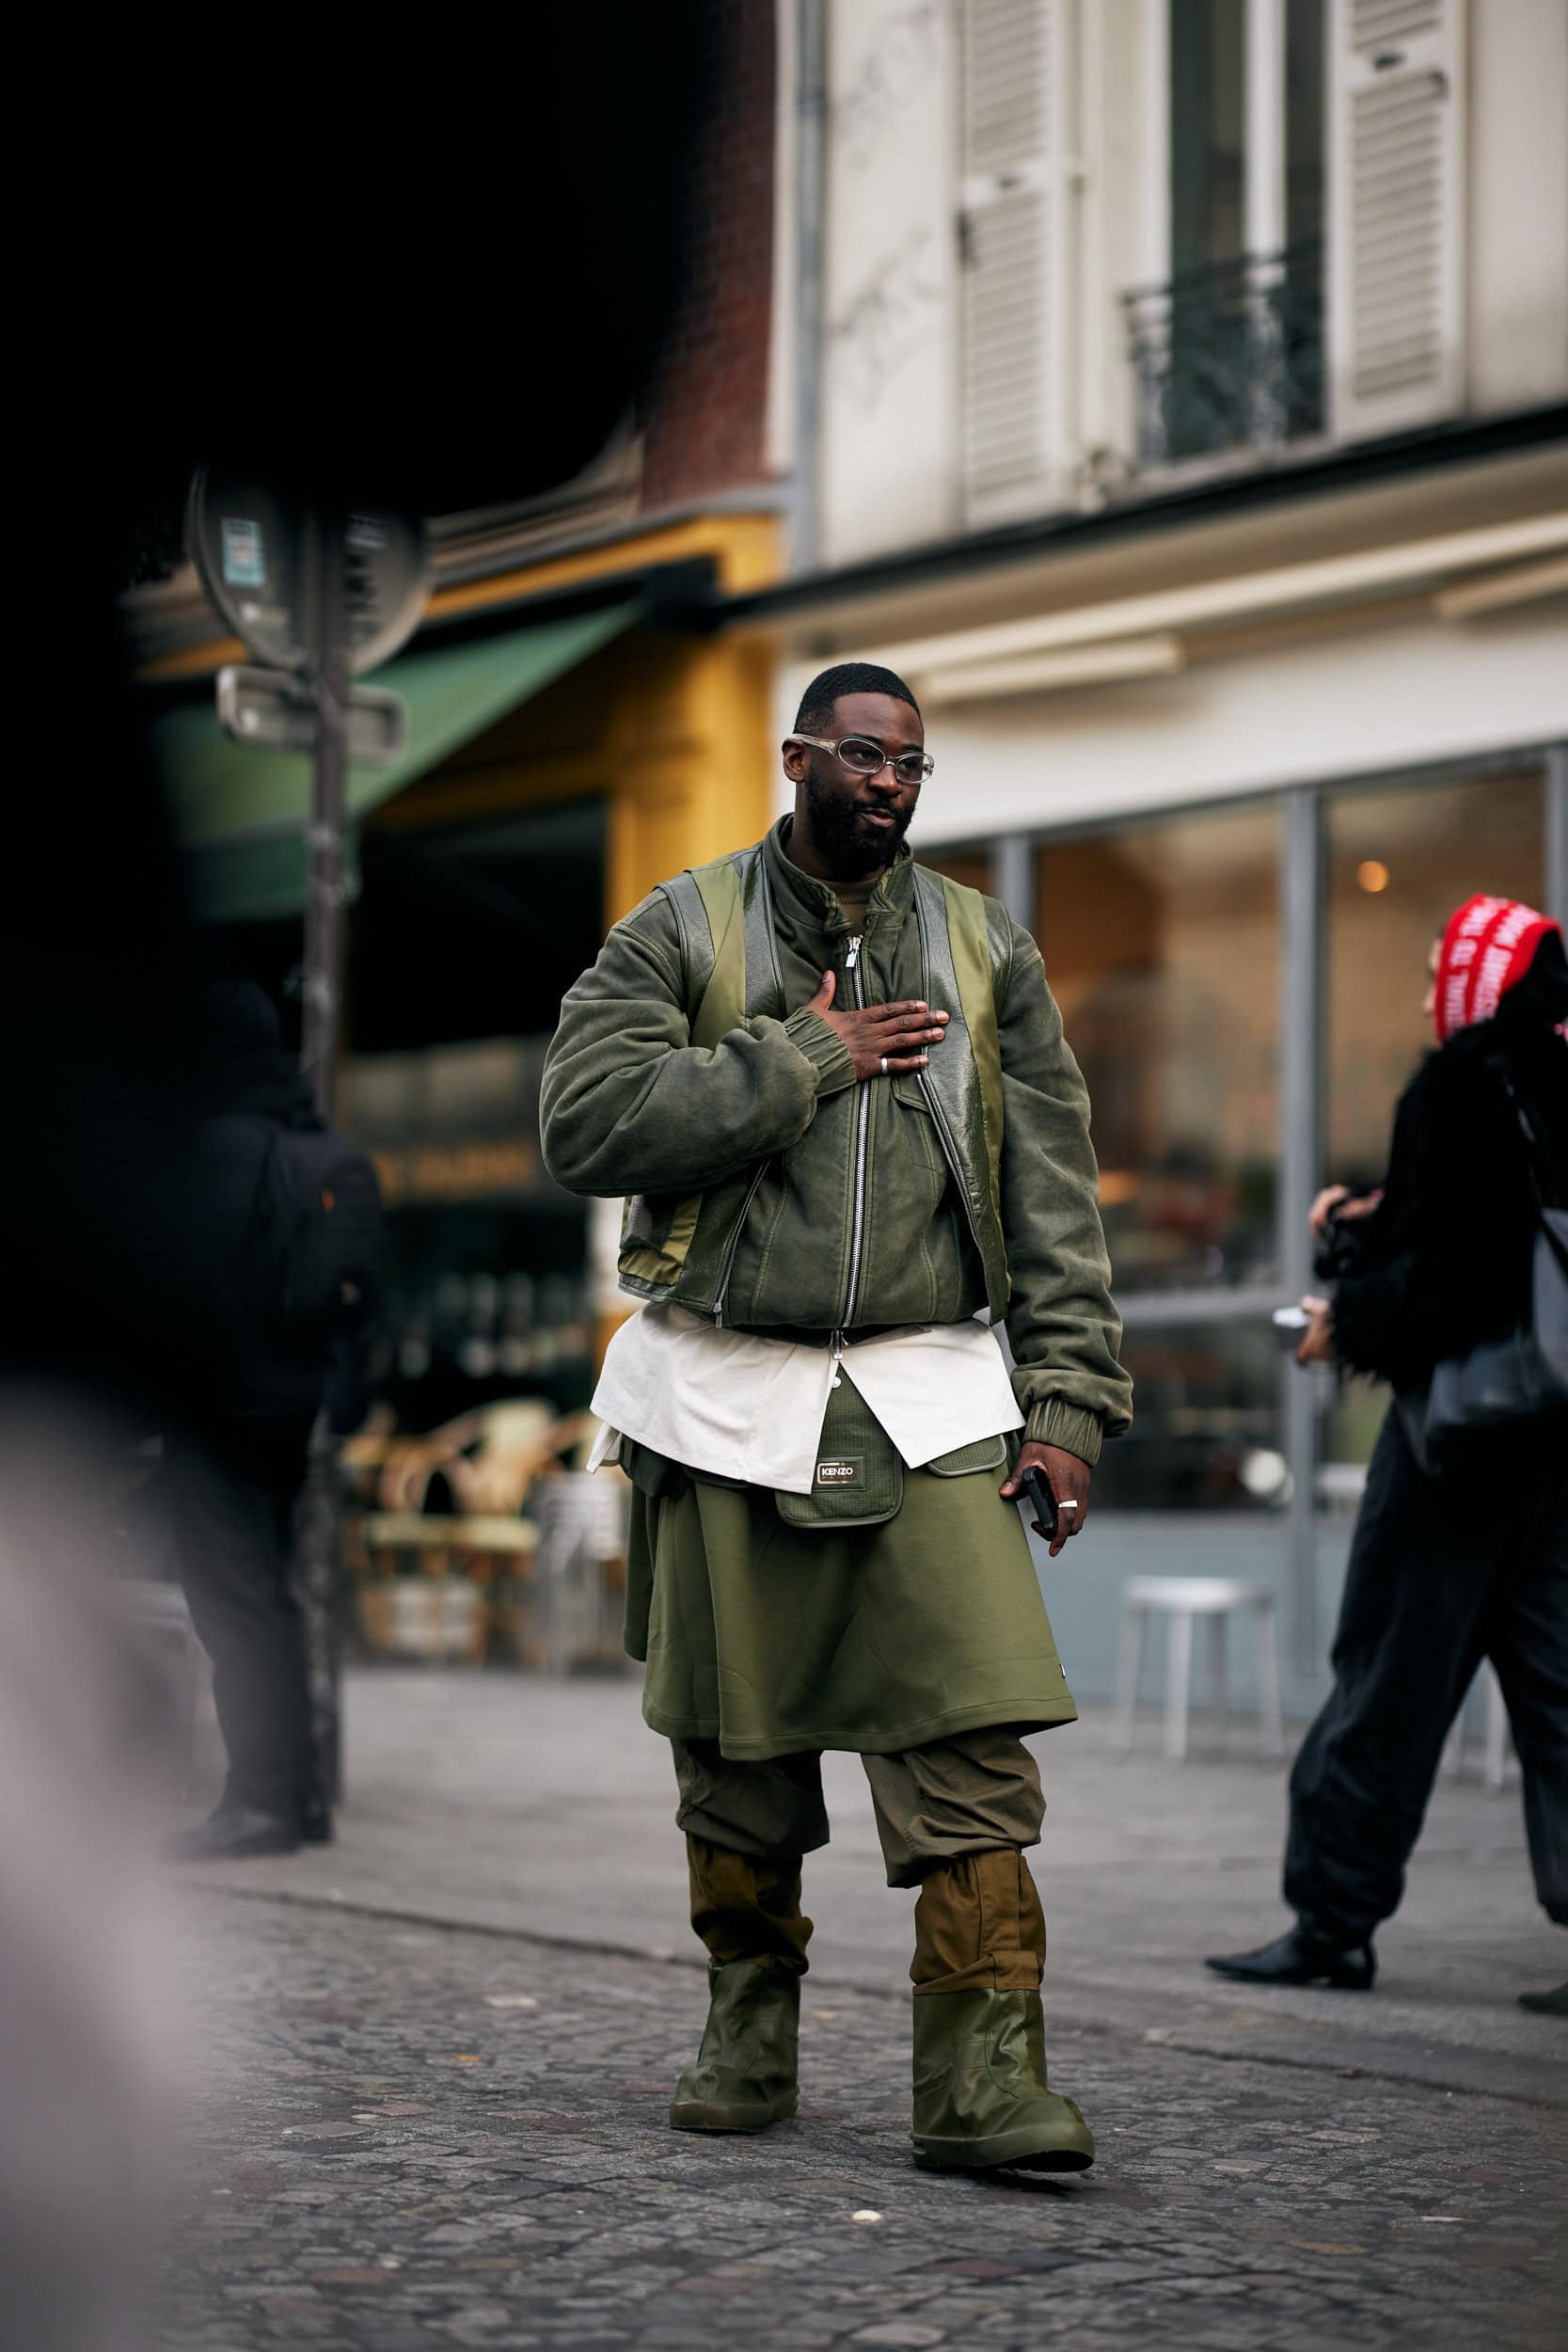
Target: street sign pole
<point>319,1558</point>
<point>318,592</point>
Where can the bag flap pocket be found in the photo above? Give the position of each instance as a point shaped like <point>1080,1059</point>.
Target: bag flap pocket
<point>985,1454</point>
<point>858,1478</point>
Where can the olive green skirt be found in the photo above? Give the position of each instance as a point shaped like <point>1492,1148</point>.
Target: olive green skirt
<point>771,1638</point>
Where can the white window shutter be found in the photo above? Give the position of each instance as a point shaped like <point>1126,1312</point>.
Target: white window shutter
<point>1396,205</point>
<point>1014,256</point>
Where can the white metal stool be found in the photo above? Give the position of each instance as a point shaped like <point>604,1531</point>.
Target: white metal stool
<point>1184,1599</point>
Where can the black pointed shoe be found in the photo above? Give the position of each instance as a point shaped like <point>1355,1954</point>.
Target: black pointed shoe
<point>1554,2004</point>
<point>1302,1957</point>
<point>234,1832</point>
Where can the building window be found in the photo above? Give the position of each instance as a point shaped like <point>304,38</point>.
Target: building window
<point>1208,134</point>
<point>1229,352</point>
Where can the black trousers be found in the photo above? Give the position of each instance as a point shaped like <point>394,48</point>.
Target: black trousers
<point>235,1488</point>
<point>1441,1576</point>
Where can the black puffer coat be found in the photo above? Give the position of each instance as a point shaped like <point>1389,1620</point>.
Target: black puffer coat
<point>1445,1261</point>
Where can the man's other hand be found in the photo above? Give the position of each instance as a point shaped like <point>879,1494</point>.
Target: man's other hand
<point>1067,1478</point>
<point>884,1040</point>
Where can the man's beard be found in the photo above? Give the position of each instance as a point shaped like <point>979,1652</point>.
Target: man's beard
<point>845,841</point>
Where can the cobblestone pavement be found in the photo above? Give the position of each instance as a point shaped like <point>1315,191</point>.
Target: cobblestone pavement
<point>407,2137</point>
<point>546,1809</point>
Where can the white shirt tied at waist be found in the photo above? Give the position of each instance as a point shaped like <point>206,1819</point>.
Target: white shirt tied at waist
<point>752,1408</point>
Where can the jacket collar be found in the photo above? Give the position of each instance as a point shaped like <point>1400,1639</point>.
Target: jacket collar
<point>805,903</point>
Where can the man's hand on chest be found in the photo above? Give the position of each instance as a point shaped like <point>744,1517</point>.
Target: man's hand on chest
<point>884,1041</point>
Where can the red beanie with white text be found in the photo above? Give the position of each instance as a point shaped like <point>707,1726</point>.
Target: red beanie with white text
<point>1488,947</point>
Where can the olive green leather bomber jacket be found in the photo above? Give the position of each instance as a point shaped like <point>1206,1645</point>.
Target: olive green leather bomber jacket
<point>771,1191</point>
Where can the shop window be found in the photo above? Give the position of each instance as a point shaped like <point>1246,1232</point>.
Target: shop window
<point>1207,1433</point>
<point>972,867</point>
<point>1162,947</point>
<point>1399,863</point>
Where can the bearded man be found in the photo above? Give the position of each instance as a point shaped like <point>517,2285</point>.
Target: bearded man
<point>835,1084</point>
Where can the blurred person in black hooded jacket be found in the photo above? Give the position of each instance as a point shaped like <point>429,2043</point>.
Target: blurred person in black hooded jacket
<point>298,1220</point>
<point>1444,1571</point>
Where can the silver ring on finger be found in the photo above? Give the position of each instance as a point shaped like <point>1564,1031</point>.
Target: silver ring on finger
<point>885,1065</point>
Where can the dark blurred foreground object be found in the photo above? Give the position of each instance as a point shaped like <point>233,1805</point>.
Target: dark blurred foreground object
<point>299,1226</point>
<point>435,273</point>
<point>84,2047</point>
<point>1444,1572</point>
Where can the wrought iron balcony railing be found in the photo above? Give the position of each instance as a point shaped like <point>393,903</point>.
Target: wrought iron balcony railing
<point>1228,357</point>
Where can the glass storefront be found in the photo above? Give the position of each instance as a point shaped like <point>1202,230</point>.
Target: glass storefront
<point>1159,940</point>
<point>1207,1435</point>
<point>1398,864</point>
<point>1180,950</point>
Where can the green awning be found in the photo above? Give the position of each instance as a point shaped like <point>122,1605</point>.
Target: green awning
<point>239,811</point>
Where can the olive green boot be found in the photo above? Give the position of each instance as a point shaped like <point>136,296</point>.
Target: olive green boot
<point>745,2075</point>
<point>981,2091</point>
<point>748,1913</point>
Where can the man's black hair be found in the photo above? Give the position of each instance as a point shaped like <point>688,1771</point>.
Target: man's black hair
<point>815,714</point>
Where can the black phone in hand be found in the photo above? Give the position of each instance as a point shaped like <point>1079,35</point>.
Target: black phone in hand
<point>1037,1487</point>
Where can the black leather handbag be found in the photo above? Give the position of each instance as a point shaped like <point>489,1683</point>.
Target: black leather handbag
<point>1507,1399</point>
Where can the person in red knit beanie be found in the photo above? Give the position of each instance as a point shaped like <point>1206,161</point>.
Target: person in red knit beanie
<point>1444,1572</point>
<point>1489,948</point>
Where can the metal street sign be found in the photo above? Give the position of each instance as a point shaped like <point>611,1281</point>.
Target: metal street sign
<point>270,708</point>
<point>253,549</point>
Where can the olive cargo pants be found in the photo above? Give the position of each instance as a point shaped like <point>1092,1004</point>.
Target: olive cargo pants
<point>952,1817</point>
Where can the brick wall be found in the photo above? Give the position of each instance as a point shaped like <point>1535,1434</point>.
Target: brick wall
<point>704,418</point>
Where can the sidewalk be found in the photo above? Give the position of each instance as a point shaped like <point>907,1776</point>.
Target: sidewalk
<point>438,2058</point>
<point>546,1809</point>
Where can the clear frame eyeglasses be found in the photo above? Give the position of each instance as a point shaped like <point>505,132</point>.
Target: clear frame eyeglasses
<point>863,758</point>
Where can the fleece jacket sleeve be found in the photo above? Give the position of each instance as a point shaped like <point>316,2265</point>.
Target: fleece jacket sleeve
<point>1446,1258</point>
<point>1062,1327</point>
<point>630,1104</point>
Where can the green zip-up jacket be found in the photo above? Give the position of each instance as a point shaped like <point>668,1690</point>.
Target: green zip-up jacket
<point>849,1206</point>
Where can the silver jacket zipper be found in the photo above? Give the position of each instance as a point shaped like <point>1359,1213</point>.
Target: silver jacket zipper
<point>862,1122</point>
<point>950,1154</point>
<point>727,1267</point>
<point>944,1132</point>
